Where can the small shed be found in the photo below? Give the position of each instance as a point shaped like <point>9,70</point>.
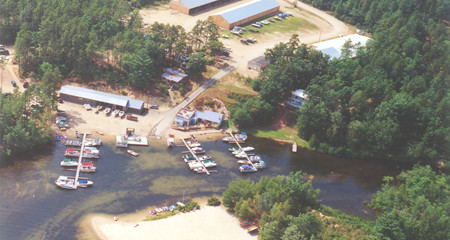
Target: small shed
<point>245,13</point>
<point>173,75</point>
<point>258,64</point>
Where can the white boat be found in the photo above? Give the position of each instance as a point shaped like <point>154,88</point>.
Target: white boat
<point>107,110</point>
<point>255,158</point>
<point>131,152</point>
<point>241,137</point>
<point>170,142</point>
<point>69,182</point>
<point>245,149</point>
<point>193,144</point>
<point>260,165</point>
<point>87,106</point>
<point>197,149</point>
<point>88,168</point>
<point>209,163</point>
<point>243,161</point>
<point>91,149</point>
<point>89,142</point>
<point>247,168</point>
<point>241,155</point>
<point>194,164</point>
<point>68,163</point>
<point>121,113</point>
<point>116,112</point>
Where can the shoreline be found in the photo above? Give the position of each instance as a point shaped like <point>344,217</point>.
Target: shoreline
<point>204,223</point>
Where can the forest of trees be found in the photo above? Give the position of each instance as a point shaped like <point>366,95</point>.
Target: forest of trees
<point>101,39</point>
<point>414,206</point>
<point>390,101</point>
<point>88,40</point>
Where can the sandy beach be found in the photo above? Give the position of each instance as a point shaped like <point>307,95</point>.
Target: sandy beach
<point>207,223</point>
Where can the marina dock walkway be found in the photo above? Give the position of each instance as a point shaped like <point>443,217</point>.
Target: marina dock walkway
<point>195,156</point>
<point>242,150</point>
<point>77,175</point>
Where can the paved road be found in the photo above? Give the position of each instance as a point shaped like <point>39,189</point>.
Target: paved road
<point>164,121</point>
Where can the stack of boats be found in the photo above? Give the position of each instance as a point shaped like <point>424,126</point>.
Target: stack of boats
<point>77,164</point>
<point>248,161</point>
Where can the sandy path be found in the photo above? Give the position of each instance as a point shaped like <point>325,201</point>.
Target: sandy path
<point>213,223</point>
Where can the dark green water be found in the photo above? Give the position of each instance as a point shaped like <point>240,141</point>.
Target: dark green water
<point>32,207</point>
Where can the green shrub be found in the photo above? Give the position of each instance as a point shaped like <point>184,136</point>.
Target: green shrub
<point>213,201</point>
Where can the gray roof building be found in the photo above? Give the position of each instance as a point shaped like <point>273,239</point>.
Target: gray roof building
<point>245,13</point>
<point>90,95</point>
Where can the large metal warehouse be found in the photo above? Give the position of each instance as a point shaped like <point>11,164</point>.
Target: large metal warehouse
<point>194,6</point>
<point>94,97</point>
<point>245,13</point>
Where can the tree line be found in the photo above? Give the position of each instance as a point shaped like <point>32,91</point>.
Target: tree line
<point>101,39</point>
<point>412,206</point>
<point>389,101</point>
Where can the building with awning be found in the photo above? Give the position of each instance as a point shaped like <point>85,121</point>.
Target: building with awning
<point>214,119</point>
<point>94,97</point>
<point>245,13</point>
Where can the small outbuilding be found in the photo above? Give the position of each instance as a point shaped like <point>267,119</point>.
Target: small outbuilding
<point>173,75</point>
<point>94,97</point>
<point>245,13</point>
<point>258,64</point>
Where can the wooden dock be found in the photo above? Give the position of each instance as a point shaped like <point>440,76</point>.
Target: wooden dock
<point>246,155</point>
<point>195,156</point>
<point>77,175</point>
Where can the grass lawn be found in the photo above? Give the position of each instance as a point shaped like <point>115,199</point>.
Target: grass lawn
<point>285,133</point>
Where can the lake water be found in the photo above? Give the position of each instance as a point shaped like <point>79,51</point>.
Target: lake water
<point>32,207</point>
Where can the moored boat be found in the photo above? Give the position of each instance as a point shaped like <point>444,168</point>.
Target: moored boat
<point>232,149</point>
<point>241,155</point>
<point>70,152</point>
<point>69,182</point>
<point>260,165</point>
<point>116,112</point>
<point>121,113</point>
<point>87,106</point>
<point>91,149</point>
<point>255,158</point>
<point>107,110</point>
<point>193,144</point>
<point>247,168</point>
<point>133,153</point>
<point>241,137</point>
<point>67,162</point>
<point>204,158</point>
<point>209,163</point>
<point>199,151</point>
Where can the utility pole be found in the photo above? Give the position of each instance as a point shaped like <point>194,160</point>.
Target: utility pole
<point>2,66</point>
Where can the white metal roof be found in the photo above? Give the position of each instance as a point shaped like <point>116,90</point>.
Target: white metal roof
<point>196,3</point>
<point>333,47</point>
<point>247,10</point>
<point>102,96</point>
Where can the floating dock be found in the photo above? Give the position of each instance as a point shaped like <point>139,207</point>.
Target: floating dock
<point>246,155</point>
<point>195,156</point>
<point>77,175</point>
<point>124,141</point>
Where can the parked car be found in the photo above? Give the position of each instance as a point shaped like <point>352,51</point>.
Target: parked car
<point>244,42</point>
<point>132,118</point>
<point>154,106</point>
<point>13,83</point>
<point>26,84</point>
<point>6,94</point>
